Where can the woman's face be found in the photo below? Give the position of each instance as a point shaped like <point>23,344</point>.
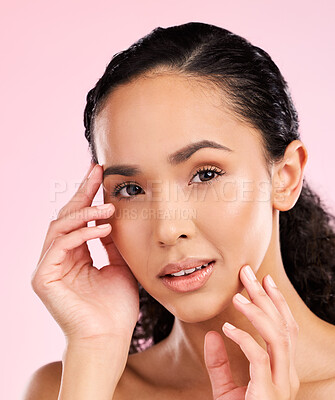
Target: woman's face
<point>170,210</point>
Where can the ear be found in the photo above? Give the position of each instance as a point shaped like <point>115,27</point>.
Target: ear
<point>288,176</point>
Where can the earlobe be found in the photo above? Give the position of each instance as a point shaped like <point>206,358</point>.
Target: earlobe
<point>288,176</point>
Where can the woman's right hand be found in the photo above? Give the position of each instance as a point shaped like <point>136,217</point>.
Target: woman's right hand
<point>86,302</point>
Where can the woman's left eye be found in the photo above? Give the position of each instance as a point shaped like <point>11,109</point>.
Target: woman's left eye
<point>207,173</point>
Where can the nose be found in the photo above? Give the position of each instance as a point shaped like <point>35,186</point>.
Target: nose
<point>173,218</point>
<point>168,233</point>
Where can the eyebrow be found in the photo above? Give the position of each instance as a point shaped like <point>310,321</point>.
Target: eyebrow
<point>173,159</point>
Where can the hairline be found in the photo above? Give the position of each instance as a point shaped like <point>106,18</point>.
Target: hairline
<point>217,83</point>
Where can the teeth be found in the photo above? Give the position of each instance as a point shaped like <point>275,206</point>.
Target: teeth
<point>189,271</point>
<point>184,272</point>
<point>180,273</point>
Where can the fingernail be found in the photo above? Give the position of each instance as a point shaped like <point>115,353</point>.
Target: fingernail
<point>271,282</point>
<point>249,273</point>
<point>103,226</point>
<point>104,206</point>
<point>228,326</point>
<point>242,299</point>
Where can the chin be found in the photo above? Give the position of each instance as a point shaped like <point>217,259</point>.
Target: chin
<point>199,310</point>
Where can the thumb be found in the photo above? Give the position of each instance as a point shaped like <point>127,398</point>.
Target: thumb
<point>217,364</point>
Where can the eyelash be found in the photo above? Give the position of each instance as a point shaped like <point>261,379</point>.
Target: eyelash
<point>119,187</point>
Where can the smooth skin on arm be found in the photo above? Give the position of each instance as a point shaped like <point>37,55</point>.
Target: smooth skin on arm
<point>92,370</point>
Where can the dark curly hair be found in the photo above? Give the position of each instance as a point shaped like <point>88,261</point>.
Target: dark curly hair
<point>258,94</point>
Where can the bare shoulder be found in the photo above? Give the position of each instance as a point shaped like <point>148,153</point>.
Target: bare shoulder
<point>44,383</point>
<point>320,382</point>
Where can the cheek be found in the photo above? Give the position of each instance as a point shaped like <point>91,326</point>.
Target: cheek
<point>128,234</point>
<point>237,219</point>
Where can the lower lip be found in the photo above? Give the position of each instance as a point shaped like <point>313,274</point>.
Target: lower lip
<point>188,283</point>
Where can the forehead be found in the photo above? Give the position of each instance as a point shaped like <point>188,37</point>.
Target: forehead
<point>164,112</point>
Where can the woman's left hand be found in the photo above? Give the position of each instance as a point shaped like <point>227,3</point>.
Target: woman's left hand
<point>273,375</point>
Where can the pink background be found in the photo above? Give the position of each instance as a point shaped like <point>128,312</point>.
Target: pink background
<point>52,54</point>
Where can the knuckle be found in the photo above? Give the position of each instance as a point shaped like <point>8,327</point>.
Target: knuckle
<point>295,327</point>
<point>283,324</point>
<point>54,230</point>
<point>35,282</point>
<point>57,241</point>
<point>61,213</point>
<point>284,334</point>
<point>263,358</point>
<point>285,340</point>
<point>53,224</point>
<point>259,291</point>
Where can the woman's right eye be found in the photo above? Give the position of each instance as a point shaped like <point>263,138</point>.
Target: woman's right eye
<point>130,190</point>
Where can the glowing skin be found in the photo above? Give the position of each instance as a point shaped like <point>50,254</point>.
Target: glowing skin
<point>234,219</point>
<point>228,231</point>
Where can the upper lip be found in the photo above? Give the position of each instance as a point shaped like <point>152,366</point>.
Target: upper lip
<point>185,263</point>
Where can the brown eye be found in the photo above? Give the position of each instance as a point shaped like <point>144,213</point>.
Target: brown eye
<point>129,189</point>
<point>208,174</point>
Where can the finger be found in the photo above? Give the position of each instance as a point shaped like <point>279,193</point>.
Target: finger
<point>60,247</point>
<point>275,335</point>
<point>281,304</point>
<point>260,368</point>
<point>79,219</point>
<point>83,182</point>
<point>257,294</point>
<point>87,175</point>
<point>83,197</point>
<point>88,172</point>
<point>293,327</point>
<point>217,364</point>
<point>75,220</point>
<point>280,350</point>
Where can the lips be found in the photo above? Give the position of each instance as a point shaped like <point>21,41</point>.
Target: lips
<point>186,263</point>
